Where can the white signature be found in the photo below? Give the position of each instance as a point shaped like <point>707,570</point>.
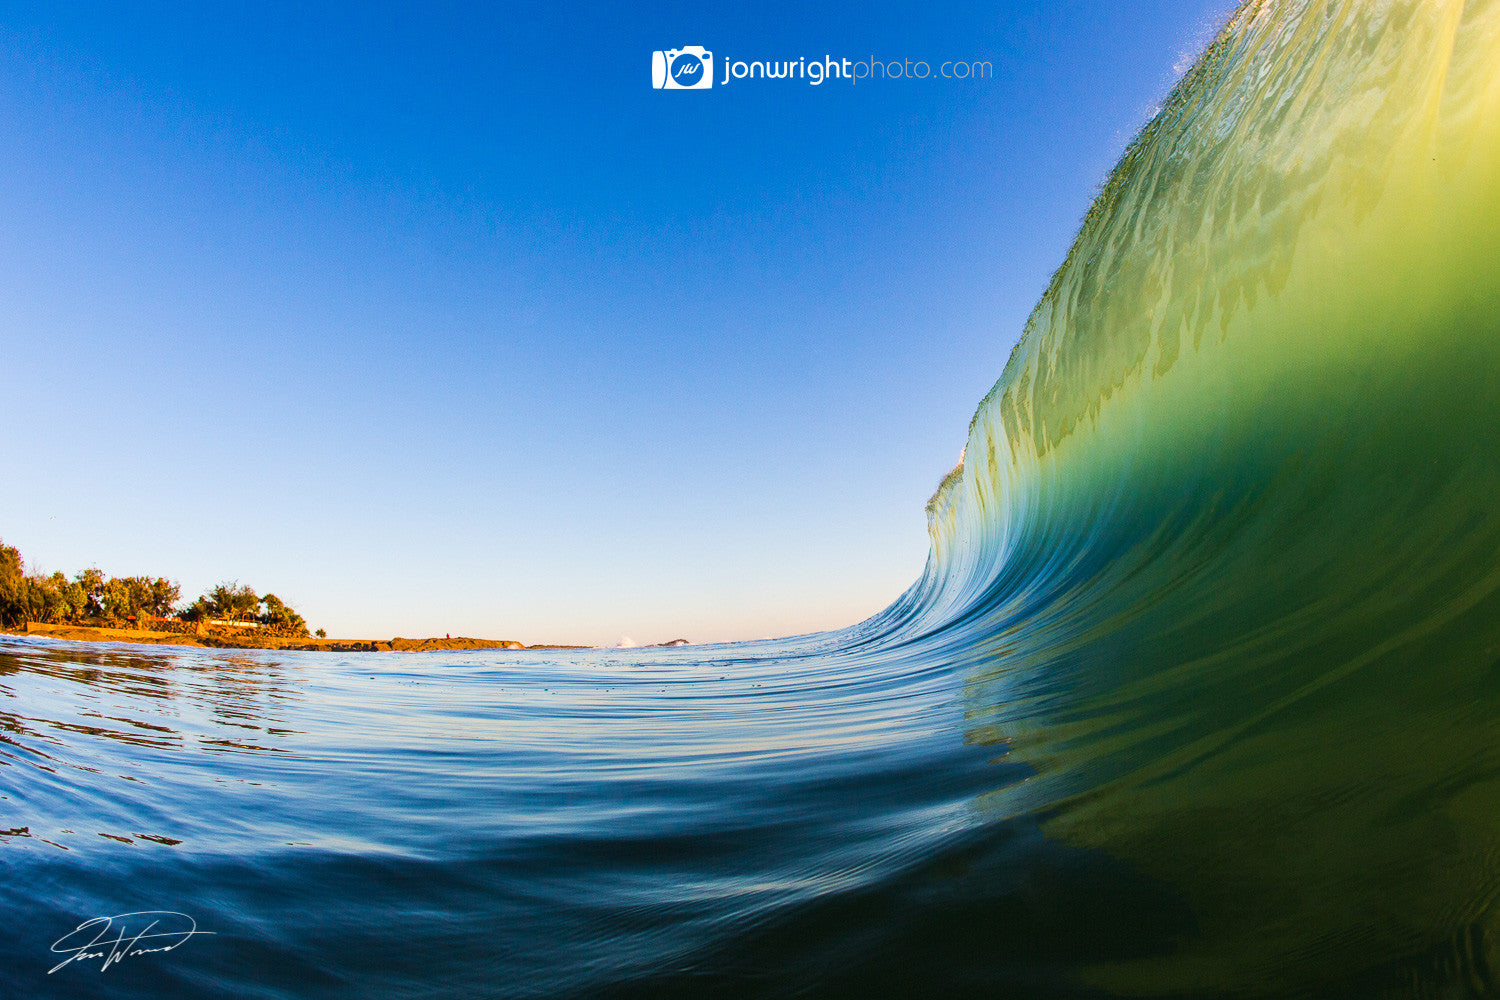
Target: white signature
<point>154,925</point>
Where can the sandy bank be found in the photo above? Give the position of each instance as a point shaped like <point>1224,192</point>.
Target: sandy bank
<point>248,639</point>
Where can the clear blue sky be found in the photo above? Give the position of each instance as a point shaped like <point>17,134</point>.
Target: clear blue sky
<point>437,318</point>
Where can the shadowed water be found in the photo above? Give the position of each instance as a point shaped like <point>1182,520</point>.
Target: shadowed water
<point>465,824</point>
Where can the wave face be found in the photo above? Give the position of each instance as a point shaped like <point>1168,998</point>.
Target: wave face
<point>1227,523</point>
<point>1198,694</point>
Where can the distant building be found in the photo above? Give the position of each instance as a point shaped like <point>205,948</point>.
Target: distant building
<point>224,622</point>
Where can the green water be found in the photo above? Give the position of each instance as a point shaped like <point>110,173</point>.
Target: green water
<point>1243,480</point>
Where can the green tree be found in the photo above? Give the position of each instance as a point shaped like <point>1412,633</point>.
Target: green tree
<point>12,586</point>
<point>48,598</point>
<point>73,600</point>
<point>282,618</point>
<point>93,595</point>
<point>34,603</point>
<point>92,581</point>
<point>162,597</point>
<point>121,598</point>
<point>231,602</point>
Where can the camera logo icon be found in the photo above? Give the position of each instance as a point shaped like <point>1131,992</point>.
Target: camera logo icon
<point>688,68</point>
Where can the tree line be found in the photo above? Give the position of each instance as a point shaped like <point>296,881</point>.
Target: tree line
<point>92,598</point>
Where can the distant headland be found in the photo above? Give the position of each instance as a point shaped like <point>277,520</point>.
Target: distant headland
<point>94,607</point>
